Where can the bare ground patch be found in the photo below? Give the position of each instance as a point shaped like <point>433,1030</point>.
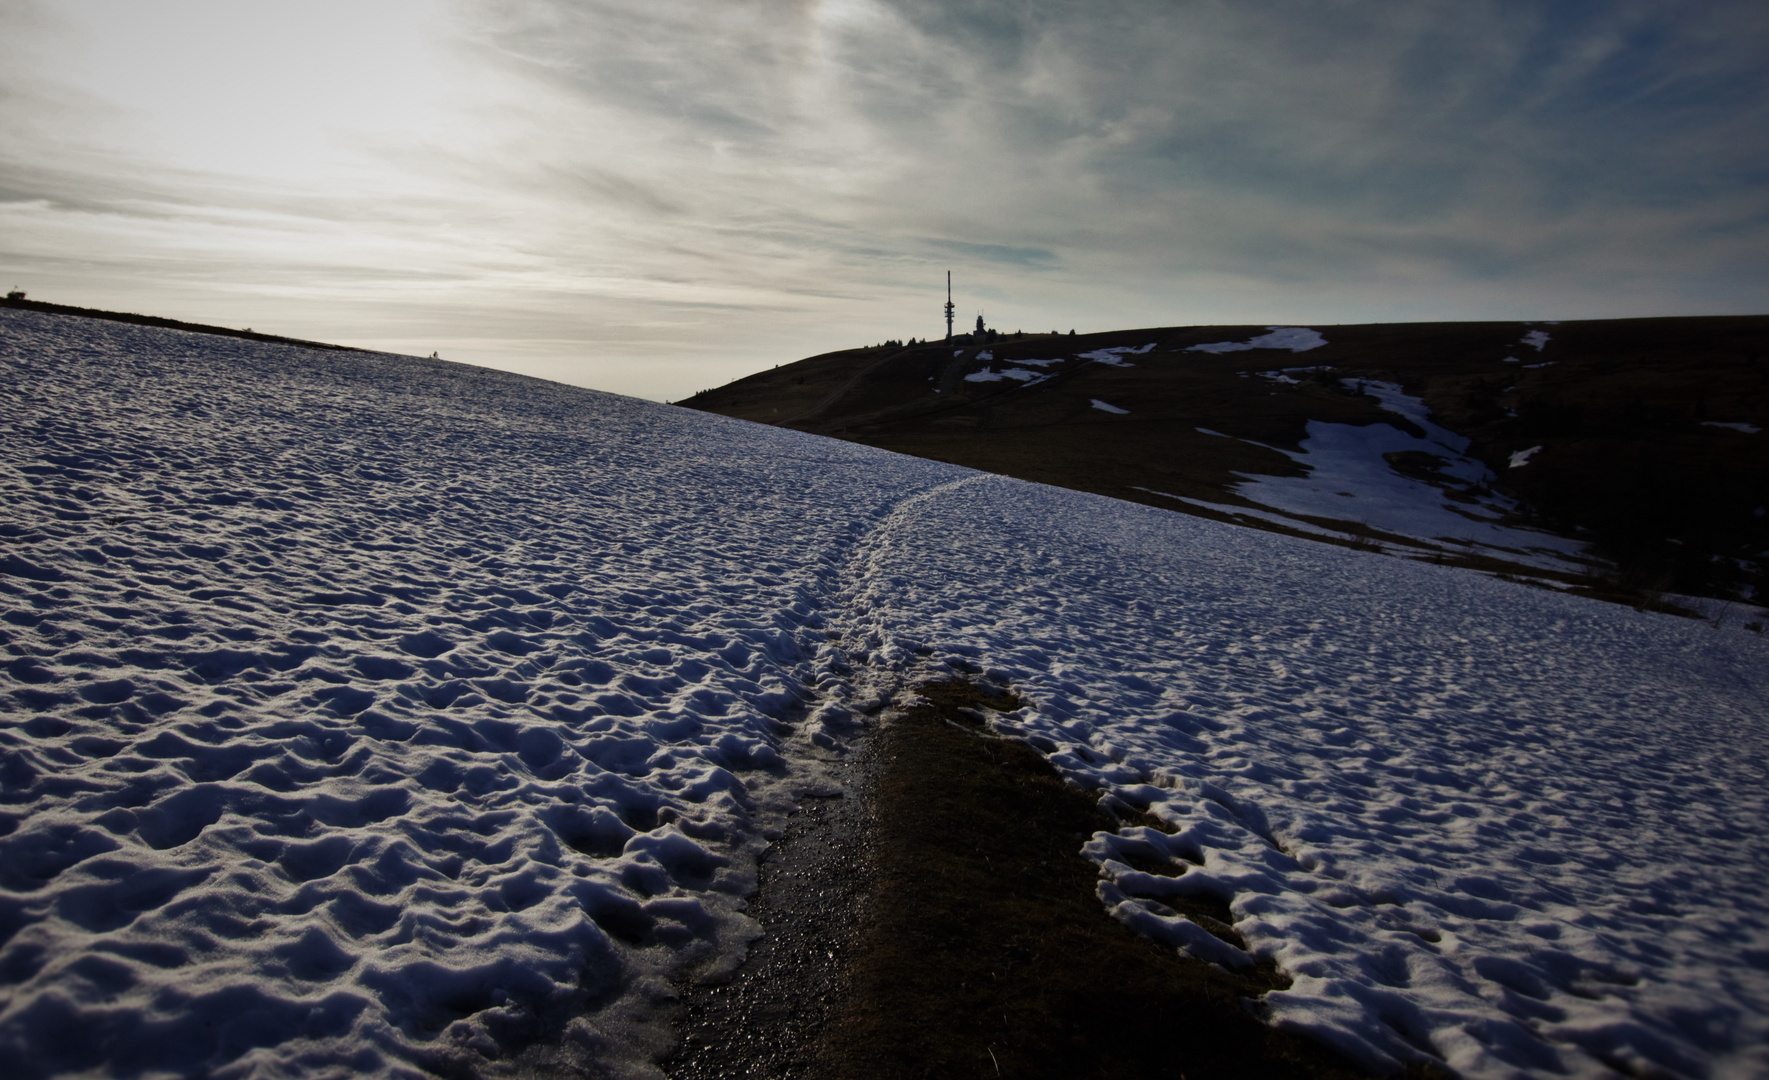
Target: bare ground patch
<point>986,952</point>
<point>937,919</point>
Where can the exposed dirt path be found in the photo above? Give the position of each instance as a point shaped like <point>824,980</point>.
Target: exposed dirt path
<point>768,1020</point>
<point>940,922</point>
<point>987,953</point>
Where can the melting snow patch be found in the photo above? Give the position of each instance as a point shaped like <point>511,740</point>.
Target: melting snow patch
<point>363,715</point>
<point>1538,338</point>
<point>1748,429</point>
<point>1401,484</point>
<point>1115,356</point>
<point>1283,375</point>
<point>987,375</point>
<point>986,354</point>
<point>1268,516</point>
<point>1521,458</point>
<point>1294,338</point>
<point>1396,400</point>
<point>1103,407</point>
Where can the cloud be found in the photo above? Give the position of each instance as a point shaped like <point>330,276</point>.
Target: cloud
<point>995,253</point>
<point>623,189</point>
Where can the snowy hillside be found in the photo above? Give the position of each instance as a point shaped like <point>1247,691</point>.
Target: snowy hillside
<point>372,715</point>
<point>1621,459</point>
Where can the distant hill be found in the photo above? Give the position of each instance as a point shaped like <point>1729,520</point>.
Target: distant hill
<point>17,302</point>
<point>1624,458</point>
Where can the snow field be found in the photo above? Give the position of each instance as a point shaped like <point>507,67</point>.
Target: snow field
<point>1518,832</point>
<point>370,715</point>
<point>366,715</point>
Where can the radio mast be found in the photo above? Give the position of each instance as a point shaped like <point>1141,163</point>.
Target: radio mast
<point>948,305</point>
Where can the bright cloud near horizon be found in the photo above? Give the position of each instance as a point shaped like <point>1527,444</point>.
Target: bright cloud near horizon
<point>653,198</point>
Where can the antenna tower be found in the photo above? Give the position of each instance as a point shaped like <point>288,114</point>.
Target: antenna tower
<point>948,305</point>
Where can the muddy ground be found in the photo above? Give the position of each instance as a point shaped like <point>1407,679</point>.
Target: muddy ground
<point>939,921</point>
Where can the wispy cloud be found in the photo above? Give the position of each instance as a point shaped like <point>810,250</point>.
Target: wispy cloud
<point>655,198</point>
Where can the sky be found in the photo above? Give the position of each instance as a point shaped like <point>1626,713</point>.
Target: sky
<point>656,198</point>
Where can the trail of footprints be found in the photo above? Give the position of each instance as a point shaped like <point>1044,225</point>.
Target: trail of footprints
<point>1517,832</point>
<point>368,713</point>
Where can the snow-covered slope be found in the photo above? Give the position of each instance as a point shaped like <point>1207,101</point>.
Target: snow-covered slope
<point>1519,831</point>
<point>365,714</point>
<point>369,713</point>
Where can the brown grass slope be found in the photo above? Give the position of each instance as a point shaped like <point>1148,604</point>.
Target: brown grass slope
<point>1628,461</point>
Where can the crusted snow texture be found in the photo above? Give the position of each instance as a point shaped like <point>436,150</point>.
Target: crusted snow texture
<point>1514,831</point>
<point>367,714</point>
<point>372,715</point>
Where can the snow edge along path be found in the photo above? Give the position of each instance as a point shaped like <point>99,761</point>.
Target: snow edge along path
<point>1506,830</point>
<point>364,714</point>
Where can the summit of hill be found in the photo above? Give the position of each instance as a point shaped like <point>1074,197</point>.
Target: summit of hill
<point>1621,458</point>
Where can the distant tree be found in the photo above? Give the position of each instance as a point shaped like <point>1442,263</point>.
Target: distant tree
<point>1071,332</point>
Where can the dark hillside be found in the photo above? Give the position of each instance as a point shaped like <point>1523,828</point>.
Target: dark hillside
<point>1644,426</point>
